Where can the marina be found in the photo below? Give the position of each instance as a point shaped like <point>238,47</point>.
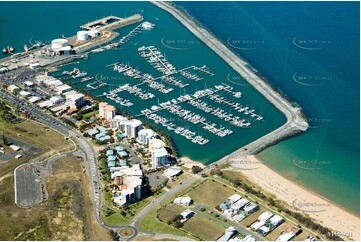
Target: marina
<point>156,59</point>
<point>269,116</point>
<point>173,107</point>
<point>218,110</point>
<point>188,94</point>
<point>151,81</point>
<point>137,30</point>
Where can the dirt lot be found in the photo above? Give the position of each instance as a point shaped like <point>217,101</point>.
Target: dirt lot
<point>209,230</point>
<point>211,193</point>
<point>36,135</point>
<point>66,215</point>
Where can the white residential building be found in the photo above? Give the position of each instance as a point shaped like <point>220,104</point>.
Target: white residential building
<point>106,111</point>
<point>132,127</point>
<point>13,88</point>
<point>63,88</point>
<point>130,179</point>
<point>25,94</point>
<point>184,201</point>
<point>264,217</point>
<point>159,157</point>
<point>155,144</point>
<point>118,122</point>
<point>34,99</point>
<point>144,135</point>
<point>75,100</point>
<point>56,99</point>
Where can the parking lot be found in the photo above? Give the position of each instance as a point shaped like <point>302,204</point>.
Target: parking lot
<point>155,179</point>
<point>28,190</point>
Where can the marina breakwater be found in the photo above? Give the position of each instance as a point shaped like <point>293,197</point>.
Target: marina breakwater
<point>296,121</point>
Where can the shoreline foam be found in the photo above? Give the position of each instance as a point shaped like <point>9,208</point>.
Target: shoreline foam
<point>326,212</point>
<point>335,218</point>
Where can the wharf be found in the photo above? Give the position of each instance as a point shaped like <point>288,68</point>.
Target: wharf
<point>112,22</point>
<point>296,121</point>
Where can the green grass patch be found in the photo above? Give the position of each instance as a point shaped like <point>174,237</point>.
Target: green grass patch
<point>159,193</point>
<point>181,193</point>
<point>204,228</point>
<point>88,115</point>
<point>149,223</point>
<point>215,216</point>
<point>121,218</point>
<point>210,193</point>
<point>167,213</point>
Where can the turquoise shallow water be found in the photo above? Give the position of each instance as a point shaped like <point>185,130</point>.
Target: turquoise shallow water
<point>181,48</point>
<point>321,74</point>
<point>326,158</point>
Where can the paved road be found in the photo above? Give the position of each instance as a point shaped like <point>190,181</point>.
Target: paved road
<point>134,159</point>
<point>88,152</point>
<point>160,199</point>
<point>163,236</point>
<point>24,147</point>
<point>91,164</point>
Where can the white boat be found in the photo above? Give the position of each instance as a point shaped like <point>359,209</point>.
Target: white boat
<point>80,74</point>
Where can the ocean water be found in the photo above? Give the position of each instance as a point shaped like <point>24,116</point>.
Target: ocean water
<point>310,51</point>
<point>307,50</point>
<point>181,48</point>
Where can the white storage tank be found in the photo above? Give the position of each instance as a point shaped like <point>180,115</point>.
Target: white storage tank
<point>82,35</point>
<point>93,33</point>
<point>57,44</point>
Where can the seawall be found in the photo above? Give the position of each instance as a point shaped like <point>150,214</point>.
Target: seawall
<point>296,122</point>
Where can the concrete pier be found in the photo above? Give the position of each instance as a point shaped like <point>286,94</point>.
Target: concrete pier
<point>45,58</point>
<point>112,22</point>
<point>296,121</point>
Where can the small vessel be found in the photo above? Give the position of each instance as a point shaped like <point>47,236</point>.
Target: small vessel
<point>5,50</point>
<point>97,50</point>
<point>11,49</point>
<point>80,74</point>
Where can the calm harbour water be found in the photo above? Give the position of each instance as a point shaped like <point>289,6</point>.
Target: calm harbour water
<point>321,74</point>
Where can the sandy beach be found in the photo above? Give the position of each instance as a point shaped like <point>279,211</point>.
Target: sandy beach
<point>189,163</point>
<point>328,214</point>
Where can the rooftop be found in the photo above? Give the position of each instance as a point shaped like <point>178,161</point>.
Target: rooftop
<point>172,171</point>
<point>160,152</point>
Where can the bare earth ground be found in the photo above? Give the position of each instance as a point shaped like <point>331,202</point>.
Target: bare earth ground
<point>329,214</point>
<point>36,135</point>
<point>70,169</point>
<point>152,239</point>
<point>61,217</point>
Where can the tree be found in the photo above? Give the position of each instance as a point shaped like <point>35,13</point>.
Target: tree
<point>178,224</point>
<point>218,172</point>
<point>196,169</point>
<point>114,235</point>
<point>5,140</point>
<point>236,182</point>
<point>175,218</point>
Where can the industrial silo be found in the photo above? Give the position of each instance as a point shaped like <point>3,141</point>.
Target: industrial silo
<point>82,35</point>
<point>57,44</point>
<point>93,33</point>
